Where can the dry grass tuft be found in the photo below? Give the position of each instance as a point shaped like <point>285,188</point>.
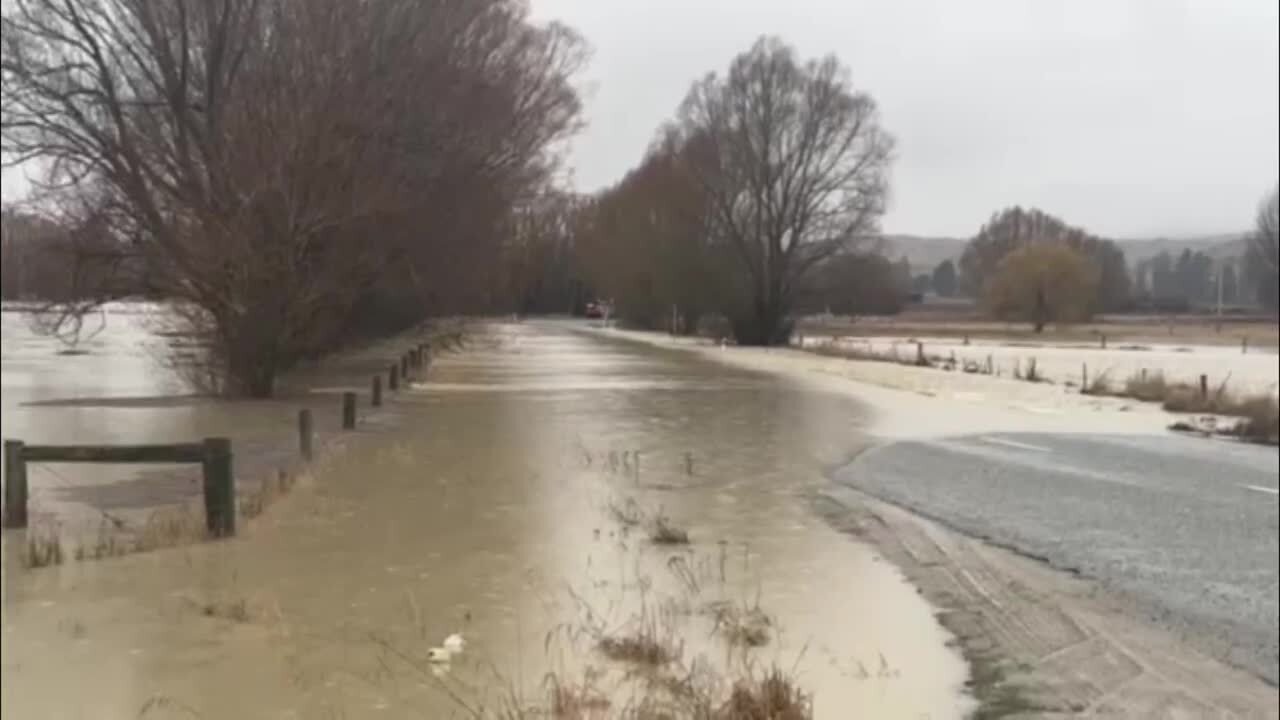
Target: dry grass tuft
<point>1100,385</point>
<point>771,697</point>
<point>170,527</point>
<point>642,647</point>
<point>43,550</point>
<point>108,544</point>
<point>627,514</point>
<point>234,610</point>
<point>270,491</point>
<point>664,533</point>
<point>740,625</point>
<point>1147,388</point>
<point>581,701</point>
<point>1261,425</point>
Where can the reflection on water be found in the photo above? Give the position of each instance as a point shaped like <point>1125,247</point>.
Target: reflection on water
<point>487,512</point>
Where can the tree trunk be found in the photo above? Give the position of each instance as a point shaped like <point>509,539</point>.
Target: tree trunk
<point>768,324</point>
<point>251,357</point>
<point>1040,314</point>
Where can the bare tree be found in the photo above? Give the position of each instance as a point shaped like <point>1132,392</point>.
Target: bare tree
<point>274,161</point>
<point>795,167</point>
<point>1263,250</point>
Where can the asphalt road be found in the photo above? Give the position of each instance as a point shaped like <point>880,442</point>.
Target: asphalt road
<point>1182,530</point>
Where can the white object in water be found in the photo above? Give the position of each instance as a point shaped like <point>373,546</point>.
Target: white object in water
<point>451,646</point>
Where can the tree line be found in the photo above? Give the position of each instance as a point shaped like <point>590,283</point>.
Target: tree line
<point>294,175</point>
<point>290,174</point>
<point>760,199</point>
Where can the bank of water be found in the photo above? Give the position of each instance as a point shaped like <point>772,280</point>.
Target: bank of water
<point>492,508</point>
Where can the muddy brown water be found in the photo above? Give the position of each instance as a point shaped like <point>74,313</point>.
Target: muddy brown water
<point>491,509</point>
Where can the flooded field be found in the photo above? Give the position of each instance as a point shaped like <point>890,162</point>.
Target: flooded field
<point>1254,371</point>
<point>532,497</point>
<point>120,387</point>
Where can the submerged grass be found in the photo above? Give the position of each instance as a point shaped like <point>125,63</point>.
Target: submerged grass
<point>43,549</point>
<point>771,696</point>
<point>627,658</point>
<point>1258,415</point>
<point>741,625</point>
<point>663,532</point>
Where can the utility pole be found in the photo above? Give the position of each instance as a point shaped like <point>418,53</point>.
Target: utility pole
<point>1221,264</point>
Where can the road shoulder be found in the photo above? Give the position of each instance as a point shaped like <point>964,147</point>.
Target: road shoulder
<point>1042,643</point>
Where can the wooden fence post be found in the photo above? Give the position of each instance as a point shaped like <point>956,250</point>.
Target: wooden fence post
<point>1104,341</point>
<point>348,411</point>
<point>219,488</point>
<point>304,434</point>
<point>393,378</point>
<point>920,360</point>
<point>1084,378</point>
<point>15,485</point>
<point>375,392</point>
<point>1204,387</point>
<point>1244,345</point>
<point>404,366</point>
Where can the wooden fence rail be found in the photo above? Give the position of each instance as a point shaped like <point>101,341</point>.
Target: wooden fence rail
<point>213,455</point>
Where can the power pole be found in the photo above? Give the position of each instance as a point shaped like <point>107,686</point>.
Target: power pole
<point>1221,264</point>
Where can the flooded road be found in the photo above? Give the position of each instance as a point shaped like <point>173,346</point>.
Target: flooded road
<point>514,503</point>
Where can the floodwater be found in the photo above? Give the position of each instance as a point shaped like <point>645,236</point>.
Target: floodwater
<point>119,387</point>
<point>500,505</point>
<point>1253,371</point>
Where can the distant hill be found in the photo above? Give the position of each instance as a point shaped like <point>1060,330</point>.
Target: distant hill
<point>924,253</point>
<point>1215,246</point>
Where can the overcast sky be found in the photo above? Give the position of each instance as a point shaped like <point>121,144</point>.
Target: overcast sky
<point>1128,117</point>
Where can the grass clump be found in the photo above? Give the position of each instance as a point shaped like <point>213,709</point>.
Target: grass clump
<point>740,625</point>
<point>233,610</point>
<point>108,544</point>
<point>773,696</point>
<point>576,701</point>
<point>1147,387</point>
<point>268,493</point>
<point>627,514</point>
<point>170,527</point>
<point>1260,425</point>
<point>644,643</point>
<point>1100,385</point>
<point>663,532</point>
<point>43,549</point>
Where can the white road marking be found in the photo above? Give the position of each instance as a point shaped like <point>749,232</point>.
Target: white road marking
<point>1259,488</point>
<point>1013,444</point>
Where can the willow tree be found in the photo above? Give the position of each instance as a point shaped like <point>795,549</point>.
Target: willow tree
<point>1016,227</point>
<point>794,164</point>
<point>1040,283</point>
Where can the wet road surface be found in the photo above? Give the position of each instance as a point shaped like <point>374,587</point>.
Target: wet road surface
<point>1183,527</point>
<point>492,509</point>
